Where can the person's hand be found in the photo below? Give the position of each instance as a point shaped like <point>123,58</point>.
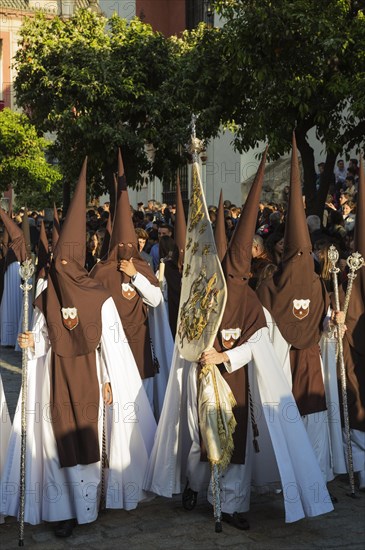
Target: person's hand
<point>213,357</point>
<point>331,205</point>
<point>26,340</point>
<point>127,267</point>
<point>338,318</point>
<point>107,394</point>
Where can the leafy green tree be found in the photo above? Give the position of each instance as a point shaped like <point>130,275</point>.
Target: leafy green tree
<point>99,85</point>
<point>23,163</point>
<point>280,65</point>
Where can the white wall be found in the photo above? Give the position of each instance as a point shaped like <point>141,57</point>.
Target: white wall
<point>124,8</point>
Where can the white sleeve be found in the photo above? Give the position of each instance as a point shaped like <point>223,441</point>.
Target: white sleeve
<point>238,357</point>
<point>40,335</point>
<point>102,366</point>
<point>163,286</point>
<point>269,323</point>
<point>327,326</point>
<point>151,294</point>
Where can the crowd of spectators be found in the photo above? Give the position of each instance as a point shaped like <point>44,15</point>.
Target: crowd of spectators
<point>155,220</point>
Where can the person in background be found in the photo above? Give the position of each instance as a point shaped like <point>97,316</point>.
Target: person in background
<point>275,246</point>
<point>171,283</point>
<point>340,173</point>
<point>164,230</point>
<point>92,250</point>
<point>142,237</point>
<point>349,215</point>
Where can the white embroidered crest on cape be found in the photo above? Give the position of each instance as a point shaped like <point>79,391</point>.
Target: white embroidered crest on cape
<point>301,308</point>
<point>229,337</point>
<point>70,317</point>
<point>128,291</point>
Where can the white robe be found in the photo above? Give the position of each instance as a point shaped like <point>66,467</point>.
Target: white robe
<point>163,345</point>
<point>304,490</point>
<point>317,424</point>
<point>161,340</point>
<point>5,427</point>
<point>54,493</point>
<point>11,306</point>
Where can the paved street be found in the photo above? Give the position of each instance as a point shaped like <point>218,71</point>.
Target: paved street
<point>162,523</point>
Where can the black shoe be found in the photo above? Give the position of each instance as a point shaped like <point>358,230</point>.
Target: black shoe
<point>334,499</point>
<point>64,528</point>
<point>189,498</point>
<point>236,520</point>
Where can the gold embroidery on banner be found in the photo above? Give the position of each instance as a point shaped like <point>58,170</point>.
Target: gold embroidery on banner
<point>196,204</point>
<point>203,227</point>
<point>206,250</point>
<point>195,312</point>
<point>194,248</point>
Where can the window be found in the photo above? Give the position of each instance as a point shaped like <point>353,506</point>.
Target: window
<point>197,11</point>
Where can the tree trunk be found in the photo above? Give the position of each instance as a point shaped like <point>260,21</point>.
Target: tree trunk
<point>307,155</point>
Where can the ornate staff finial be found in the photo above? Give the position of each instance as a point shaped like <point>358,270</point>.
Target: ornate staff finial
<point>333,256</point>
<point>355,261</point>
<point>196,145</point>
<point>26,271</point>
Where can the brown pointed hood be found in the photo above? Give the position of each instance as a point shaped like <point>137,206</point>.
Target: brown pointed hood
<point>6,237</point>
<point>131,308</point>
<point>355,319</point>
<point>296,235</point>
<point>16,247</point>
<point>295,295</point>
<point>113,199</point>
<point>56,229</point>
<point>243,310</point>
<point>220,230</point>
<point>72,239</point>
<point>180,225</point>
<point>123,228</point>
<point>26,233</point>
<point>109,226</point>
<point>122,180</point>
<point>43,254</point>
<point>69,286</point>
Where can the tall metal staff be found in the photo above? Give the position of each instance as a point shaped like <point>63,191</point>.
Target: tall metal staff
<point>26,271</point>
<point>355,261</point>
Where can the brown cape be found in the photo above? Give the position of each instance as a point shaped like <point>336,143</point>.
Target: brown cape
<point>74,337</point>
<point>133,312</point>
<point>297,299</point>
